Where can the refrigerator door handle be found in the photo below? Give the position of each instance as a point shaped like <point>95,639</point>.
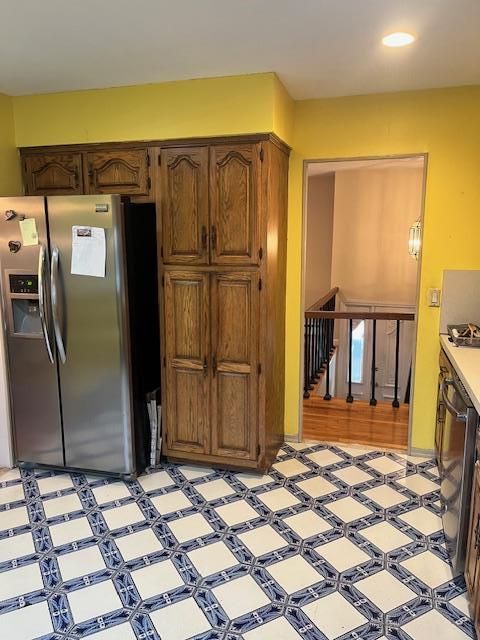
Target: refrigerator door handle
<point>41,301</point>
<point>56,321</point>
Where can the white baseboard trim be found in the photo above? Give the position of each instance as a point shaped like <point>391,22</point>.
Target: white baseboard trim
<point>422,452</point>
<point>292,438</point>
<point>414,451</point>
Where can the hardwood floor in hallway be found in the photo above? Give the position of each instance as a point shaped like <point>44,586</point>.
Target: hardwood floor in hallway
<point>338,421</point>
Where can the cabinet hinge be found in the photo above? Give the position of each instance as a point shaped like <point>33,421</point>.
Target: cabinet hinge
<point>149,183</point>
<point>148,159</point>
<point>163,281</point>
<point>260,284</point>
<point>164,361</point>
<point>161,251</point>
<point>261,154</point>
<point>259,368</point>
<point>159,159</point>
<point>260,253</point>
<point>258,450</point>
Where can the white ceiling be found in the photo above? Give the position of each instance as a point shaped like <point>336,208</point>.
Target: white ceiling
<point>334,166</point>
<point>317,47</point>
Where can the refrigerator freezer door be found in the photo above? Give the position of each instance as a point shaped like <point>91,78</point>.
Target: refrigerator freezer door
<point>90,319</point>
<point>35,405</point>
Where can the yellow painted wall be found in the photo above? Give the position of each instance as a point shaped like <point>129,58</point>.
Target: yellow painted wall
<point>283,112</point>
<point>9,163</point>
<point>205,107</point>
<point>444,123</point>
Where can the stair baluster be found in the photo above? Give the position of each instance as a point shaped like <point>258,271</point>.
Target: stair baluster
<point>373,400</point>
<point>395,402</point>
<point>350,346</point>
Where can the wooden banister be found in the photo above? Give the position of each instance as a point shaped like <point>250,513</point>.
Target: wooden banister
<point>323,300</point>
<point>360,315</point>
<point>319,343</point>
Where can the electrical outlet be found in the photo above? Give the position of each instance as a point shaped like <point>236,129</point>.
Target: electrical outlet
<point>433,297</point>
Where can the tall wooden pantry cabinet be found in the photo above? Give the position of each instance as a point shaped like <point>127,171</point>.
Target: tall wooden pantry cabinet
<point>222,229</point>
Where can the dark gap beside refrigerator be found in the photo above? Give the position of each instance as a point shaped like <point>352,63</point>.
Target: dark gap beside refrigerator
<point>142,282</point>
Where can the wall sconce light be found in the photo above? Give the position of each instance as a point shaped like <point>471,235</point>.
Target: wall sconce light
<point>414,239</point>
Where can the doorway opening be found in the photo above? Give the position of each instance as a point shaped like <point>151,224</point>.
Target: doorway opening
<point>362,226</point>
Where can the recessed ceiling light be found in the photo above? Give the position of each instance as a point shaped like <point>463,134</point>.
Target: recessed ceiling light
<point>398,39</point>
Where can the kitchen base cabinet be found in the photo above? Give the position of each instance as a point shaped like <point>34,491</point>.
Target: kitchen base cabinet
<point>472,563</point>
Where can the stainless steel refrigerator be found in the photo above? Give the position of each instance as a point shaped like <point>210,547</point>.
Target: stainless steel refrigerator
<point>82,350</point>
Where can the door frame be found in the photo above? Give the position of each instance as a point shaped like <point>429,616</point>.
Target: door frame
<point>306,163</point>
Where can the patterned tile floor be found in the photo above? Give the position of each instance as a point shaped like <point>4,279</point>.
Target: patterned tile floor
<point>336,542</point>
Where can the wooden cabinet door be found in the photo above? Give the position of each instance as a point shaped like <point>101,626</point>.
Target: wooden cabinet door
<point>184,205</point>
<point>235,317</point>
<point>186,303</point>
<point>476,611</point>
<point>124,171</point>
<point>53,174</point>
<point>472,576</point>
<point>234,203</point>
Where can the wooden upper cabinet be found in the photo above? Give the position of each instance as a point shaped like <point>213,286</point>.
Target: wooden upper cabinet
<point>124,171</point>
<point>234,203</point>
<point>53,174</point>
<point>187,352</point>
<point>235,309</point>
<point>184,204</point>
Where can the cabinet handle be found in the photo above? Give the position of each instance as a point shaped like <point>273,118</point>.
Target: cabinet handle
<point>205,366</point>
<point>440,411</point>
<point>204,237</point>
<point>214,236</point>
<point>477,534</point>
<point>214,365</point>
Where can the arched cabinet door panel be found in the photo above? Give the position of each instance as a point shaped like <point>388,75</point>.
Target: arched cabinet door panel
<point>235,203</point>
<point>53,174</point>
<point>184,205</point>
<point>125,171</point>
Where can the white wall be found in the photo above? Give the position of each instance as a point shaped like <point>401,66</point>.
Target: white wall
<point>319,235</point>
<point>373,211</point>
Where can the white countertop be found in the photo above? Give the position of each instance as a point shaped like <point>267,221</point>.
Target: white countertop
<point>466,361</point>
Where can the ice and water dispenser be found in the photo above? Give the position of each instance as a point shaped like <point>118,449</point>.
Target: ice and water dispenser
<point>23,305</point>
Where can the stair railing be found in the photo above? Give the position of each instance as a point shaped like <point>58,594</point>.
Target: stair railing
<point>314,318</point>
<point>318,343</point>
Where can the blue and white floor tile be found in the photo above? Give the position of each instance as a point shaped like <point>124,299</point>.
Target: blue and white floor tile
<point>334,543</point>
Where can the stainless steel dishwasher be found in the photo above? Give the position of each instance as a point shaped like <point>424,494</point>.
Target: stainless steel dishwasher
<point>456,460</point>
